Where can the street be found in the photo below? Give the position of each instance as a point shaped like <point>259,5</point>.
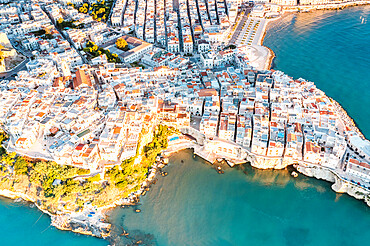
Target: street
<point>240,25</point>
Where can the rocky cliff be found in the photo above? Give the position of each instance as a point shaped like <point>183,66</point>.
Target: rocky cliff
<point>340,185</point>
<point>269,162</point>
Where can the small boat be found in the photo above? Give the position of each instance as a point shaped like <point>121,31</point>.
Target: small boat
<point>137,210</point>
<point>294,174</point>
<point>182,161</point>
<point>164,174</point>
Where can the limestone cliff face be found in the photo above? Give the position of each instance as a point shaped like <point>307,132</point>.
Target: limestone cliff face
<point>316,172</point>
<point>266,163</point>
<point>339,185</point>
<point>269,162</point>
<point>357,192</point>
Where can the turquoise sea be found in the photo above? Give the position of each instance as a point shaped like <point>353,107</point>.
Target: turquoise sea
<point>194,205</point>
<point>332,49</point>
<point>21,224</point>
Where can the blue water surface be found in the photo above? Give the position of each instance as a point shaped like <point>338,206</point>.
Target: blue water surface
<point>22,225</point>
<point>332,49</point>
<point>194,205</point>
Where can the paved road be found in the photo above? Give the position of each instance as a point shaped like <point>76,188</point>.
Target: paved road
<point>226,9</point>
<point>209,16</point>
<point>66,37</point>
<point>135,12</point>
<point>217,17</point>
<point>144,27</point>
<point>13,72</point>
<point>165,24</point>
<point>177,9</point>
<point>155,21</point>
<point>199,16</point>
<point>191,24</point>
<point>239,27</point>
<point>123,14</point>
<point>109,22</point>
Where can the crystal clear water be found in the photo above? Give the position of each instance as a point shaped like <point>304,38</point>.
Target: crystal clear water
<point>194,205</point>
<point>331,48</point>
<point>22,225</point>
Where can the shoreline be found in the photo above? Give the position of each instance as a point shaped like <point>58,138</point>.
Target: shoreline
<point>340,186</point>
<point>267,27</point>
<point>272,56</point>
<point>271,53</point>
<point>69,223</point>
<point>78,222</point>
<point>328,6</point>
<point>300,10</point>
<point>339,183</point>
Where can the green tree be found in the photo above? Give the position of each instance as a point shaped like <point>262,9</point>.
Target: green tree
<point>8,159</point>
<point>95,178</point>
<point>21,166</point>
<point>1,53</point>
<point>121,44</point>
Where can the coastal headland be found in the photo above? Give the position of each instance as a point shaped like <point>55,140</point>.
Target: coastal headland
<point>208,152</point>
<point>113,133</point>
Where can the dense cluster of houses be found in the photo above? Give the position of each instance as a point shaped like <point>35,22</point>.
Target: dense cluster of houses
<point>191,26</point>
<point>94,117</point>
<point>96,114</point>
<point>37,34</point>
<point>272,115</point>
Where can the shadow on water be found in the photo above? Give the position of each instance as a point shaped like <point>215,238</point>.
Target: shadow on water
<point>249,178</point>
<point>290,238</point>
<point>281,178</point>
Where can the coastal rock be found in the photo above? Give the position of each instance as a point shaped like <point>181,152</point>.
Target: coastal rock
<point>367,200</point>
<point>82,226</point>
<point>357,192</point>
<point>266,162</point>
<point>316,172</point>
<point>339,186</point>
